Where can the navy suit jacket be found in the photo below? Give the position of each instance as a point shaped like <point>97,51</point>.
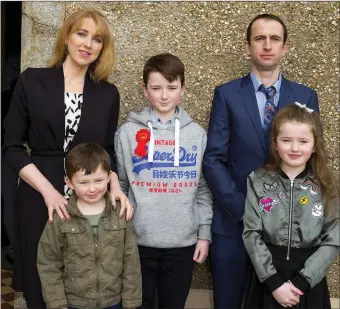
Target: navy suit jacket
<point>237,145</point>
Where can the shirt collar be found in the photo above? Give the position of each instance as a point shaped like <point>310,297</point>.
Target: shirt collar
<point>303,174</point>
<point>156,119</point>
<point>257,83</point>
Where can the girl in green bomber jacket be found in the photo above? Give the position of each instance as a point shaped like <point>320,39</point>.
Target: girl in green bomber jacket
<point>291,220</point>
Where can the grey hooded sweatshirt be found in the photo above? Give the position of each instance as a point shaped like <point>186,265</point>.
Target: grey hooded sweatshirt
<point>160,170</point>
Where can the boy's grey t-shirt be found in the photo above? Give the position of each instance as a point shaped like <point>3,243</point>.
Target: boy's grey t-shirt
<point>173,205</point>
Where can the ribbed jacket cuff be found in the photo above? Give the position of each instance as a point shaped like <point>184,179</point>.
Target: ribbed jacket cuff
<point>301,283</point>
<point>56,304</point>
<point>132,303</point>
<point>204,232</point>
<point>273,282</point>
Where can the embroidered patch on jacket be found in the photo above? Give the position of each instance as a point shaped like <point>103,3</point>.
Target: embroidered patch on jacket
<point>309,186</point>
<point>266,204</point>
<point>317,210</point>
<point>282,195</point>
<point>303,200</point>
<point>271,187</point>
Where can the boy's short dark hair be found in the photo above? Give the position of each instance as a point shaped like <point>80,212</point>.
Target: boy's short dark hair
<point>87,157</point>
<point>170,66</point>
<point>267,17</point>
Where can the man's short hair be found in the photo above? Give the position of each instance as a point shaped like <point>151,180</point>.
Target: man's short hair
<point>267,17</point>
<point>170,66</point>
<point>87,157</point>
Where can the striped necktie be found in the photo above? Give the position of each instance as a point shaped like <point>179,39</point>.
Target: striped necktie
<point>269,108</point>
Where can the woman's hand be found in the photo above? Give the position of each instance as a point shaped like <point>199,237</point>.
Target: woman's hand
<point>117,194</point>
<point>201,251</point>
<point>287,295</point>
<point>53,199</point>
<point>56,202</point>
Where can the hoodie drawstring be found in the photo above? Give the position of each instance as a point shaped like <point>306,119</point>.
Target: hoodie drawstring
<point>151,143</point>
<point>177,126</point>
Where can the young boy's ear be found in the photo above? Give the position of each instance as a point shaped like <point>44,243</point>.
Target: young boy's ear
<point>145,91</point>
<point>69,183</point>
<point>110,174</point>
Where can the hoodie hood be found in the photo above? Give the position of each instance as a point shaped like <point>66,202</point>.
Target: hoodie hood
<point>144,117</point>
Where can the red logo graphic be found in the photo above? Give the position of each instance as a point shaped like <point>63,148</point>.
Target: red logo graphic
<point>142,138</point>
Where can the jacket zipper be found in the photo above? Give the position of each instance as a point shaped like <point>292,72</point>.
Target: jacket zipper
<point>290,218</point>
<point>96,257</point>
<point>97,270</point>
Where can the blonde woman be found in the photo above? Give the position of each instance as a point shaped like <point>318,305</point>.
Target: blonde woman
<point>53,110</point>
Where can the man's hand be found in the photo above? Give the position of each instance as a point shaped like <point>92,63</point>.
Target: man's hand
<point>287,295</point>
<point>201,251</point>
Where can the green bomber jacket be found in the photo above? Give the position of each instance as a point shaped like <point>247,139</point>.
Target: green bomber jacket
<point>80,269</point>
<point>289,213</point>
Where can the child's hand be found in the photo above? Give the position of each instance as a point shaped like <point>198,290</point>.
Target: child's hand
<point>287,295</point>
<point>294,289</point>
<point>117,194</point>
<point>201,251</point>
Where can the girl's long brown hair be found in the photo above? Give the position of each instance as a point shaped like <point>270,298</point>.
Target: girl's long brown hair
<point>106,62</point>
<point>318,160</point>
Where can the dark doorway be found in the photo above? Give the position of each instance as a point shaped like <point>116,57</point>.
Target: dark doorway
<point>10,70</point>
<point>10,50</point>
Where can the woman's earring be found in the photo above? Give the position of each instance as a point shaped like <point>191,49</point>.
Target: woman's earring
<point>66,50</point>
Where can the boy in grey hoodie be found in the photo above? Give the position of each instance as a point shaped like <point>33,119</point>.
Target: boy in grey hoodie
<point>159,156</point>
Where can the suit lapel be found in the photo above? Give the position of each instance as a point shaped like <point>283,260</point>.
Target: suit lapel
<point>88,109</point>
<point>285,93</point>
<point>56,87</point>
<point>249,99</point>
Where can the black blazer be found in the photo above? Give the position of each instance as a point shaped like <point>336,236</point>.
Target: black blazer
<point>37,117</point>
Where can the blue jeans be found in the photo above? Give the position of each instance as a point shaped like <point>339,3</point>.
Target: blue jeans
<point>116,306</point>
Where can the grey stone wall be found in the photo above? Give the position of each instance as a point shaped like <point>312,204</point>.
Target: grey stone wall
<point>208,37</point>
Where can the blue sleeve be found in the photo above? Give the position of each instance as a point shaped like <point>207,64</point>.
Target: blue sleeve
<point>215,162</point>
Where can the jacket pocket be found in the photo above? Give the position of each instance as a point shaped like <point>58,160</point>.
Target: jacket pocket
<point>70,278</point>
<point>113,258</point>
<point>75,234</point>
<point>114,234</point>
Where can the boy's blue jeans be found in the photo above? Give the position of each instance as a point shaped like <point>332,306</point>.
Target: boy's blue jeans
<point>116,306</point>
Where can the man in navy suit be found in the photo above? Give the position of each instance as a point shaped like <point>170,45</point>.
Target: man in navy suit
<point>238,142</point>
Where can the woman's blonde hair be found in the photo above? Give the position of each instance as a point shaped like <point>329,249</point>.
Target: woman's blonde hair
<point>318,159</point>
<point>105,63</point>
